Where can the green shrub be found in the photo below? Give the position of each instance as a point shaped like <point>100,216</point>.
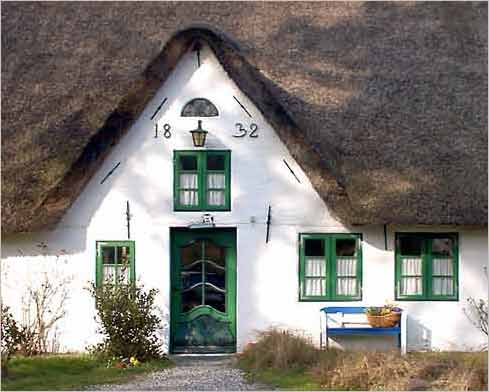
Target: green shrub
<point>279,349</point>
<point>127,321</point>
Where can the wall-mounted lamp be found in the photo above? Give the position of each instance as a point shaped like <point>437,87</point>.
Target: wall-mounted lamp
<point>198,135</point>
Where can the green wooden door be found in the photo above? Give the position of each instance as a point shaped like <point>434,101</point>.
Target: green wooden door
<point>203,291</point>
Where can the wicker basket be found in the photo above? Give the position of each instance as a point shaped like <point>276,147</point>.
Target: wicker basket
<point>387,321</point>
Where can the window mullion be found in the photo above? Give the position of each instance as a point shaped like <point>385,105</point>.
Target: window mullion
<point>331,278</point>
<point>202,179</point>
<point>428,293</point>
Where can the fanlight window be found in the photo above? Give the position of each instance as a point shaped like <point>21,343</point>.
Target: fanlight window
<point>199,107</point>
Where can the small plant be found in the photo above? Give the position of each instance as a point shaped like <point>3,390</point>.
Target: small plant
<point>382,310</point>
<point>127,321</point>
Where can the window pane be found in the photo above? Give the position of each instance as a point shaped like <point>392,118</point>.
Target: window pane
<point>442,247</point>
<point>442,267</point>
<point>188,181</point>
<point>345,247</point>
<point>346,286</point>
<point>315,267</point>
<point>215,162</point>
<point>346,267</point>
<point>216,181</point>
<point>410,245</point>
<point>314,248</point>
<point>122,274</point>
<point>108,255</point>
<point>188,162</point>
<point>314,286</point>
<point>189,198</point>
<point>215,198</point>
<point>442,286</point>
<point>123,256</point>
<point>109,274</point>
<point>411,266</point>
<point>411,286</point>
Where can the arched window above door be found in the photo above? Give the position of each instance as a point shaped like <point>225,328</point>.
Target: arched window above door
<point>199,107</point>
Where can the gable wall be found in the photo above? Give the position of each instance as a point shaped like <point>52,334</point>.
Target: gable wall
<point>267,273</point>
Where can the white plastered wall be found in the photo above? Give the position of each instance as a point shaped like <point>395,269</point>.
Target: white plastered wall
<point>267,273</point>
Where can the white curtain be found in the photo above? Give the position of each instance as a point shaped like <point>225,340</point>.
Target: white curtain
<point>315,286</point>
<point>346,267</point>
<point>346,286</point>
<point>215,198</point>
<point>189,198</point>
<point>109,274</point>
<point>315,267</point>
<point>412,285</point>
<point>216,181</point>
<point>188,181</point>
<point>443,285</point>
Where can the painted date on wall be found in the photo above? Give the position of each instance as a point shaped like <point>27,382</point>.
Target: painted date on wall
<point>166,131</point>
<point>242,131</point>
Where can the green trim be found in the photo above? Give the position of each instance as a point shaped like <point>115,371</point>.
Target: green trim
<point>330,260</point>
<point>114,244</point>
<point>202,173</point>
<point>427,267</point>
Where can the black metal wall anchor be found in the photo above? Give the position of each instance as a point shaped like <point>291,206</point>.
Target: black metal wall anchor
<point>109,173</point>
<point>269,220</point>
<point>128,220</point>
<point>197,48</point>
<point>297,178</point>
<point>158,109</point>
<point>242,107</point>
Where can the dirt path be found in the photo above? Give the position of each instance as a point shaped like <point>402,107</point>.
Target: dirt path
<point>191,373</point>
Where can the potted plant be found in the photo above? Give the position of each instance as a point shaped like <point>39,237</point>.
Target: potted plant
<point>386,316</point>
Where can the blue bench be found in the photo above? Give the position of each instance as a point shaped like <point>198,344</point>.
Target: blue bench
<point>361,330</point>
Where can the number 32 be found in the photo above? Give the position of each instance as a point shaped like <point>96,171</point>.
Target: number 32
<point>243,131</point>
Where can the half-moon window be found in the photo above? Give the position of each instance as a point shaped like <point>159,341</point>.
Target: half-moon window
<point>199,107</point>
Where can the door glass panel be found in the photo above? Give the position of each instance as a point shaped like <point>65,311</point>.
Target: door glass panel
<point>191,265</point>
<point>203,275</point>
<point>215,298</point>
<point>215,269</point>
<point>191,298</point>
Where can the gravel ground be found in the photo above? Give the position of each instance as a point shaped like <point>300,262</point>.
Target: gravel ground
<point>191,373</point>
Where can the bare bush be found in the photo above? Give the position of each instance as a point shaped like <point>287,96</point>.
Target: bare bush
<point>279,349</point>
<point>43,306</point>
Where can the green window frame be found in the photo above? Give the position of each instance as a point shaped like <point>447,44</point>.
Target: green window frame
<point>330,267</point>
<point>202,180</point>
<point>426,266</point>
<point>115,262</point>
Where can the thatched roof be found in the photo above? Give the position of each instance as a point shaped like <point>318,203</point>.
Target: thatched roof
<point>384,105</point>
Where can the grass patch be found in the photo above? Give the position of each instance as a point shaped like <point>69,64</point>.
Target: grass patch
<point>68,372</point>
<point>289,361</point>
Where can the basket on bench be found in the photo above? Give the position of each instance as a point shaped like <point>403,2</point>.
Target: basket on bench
<point>387,321</point>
